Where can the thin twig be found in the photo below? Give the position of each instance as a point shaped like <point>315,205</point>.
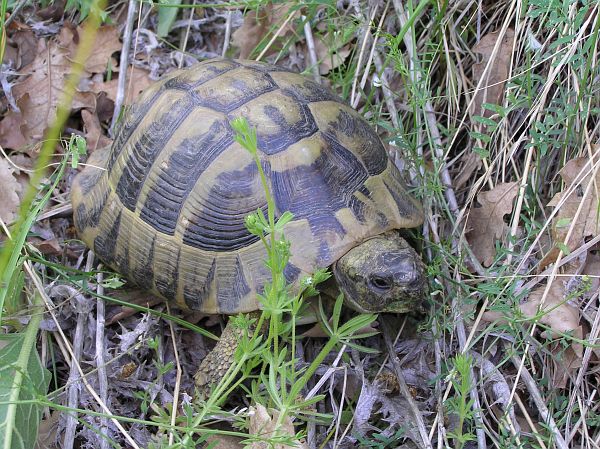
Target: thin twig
<point>187,35</point>
<point>540,403</point>
<point>37,282</point>
<point>123,65</point>
<point>367,70</point>
<point>426,442</point>
<point>100,350</point>
<point>174,411</point>
<point>363,46</point>
<point>429,116</point>
<point>15,12</point>
<point>312,52</point>
<point>73,391</point>
<point>276,35</point>
<point>227,33</point>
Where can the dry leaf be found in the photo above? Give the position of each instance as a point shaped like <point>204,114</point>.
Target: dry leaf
<point>560,318</point>
<point>49,247</point>
<point>106,43</point>
<point>486,223</point>
<point>592,269</point>
<point>470,163</point>
<point>328,56</point>
<point>26,46</point>
<point>262,423</point>
<point>11,136</point>
<point>9,192</point>
<point>39,93</point>
<point>53,12</point>
<point>224,442</point>
<point>94,134</point>
<point>258,23</point>
<point>588,221</point>
<point>492,87</point>
<point>137,81</point>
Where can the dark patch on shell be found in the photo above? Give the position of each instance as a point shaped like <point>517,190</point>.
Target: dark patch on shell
<point>104,245</point>
<point>221,224</point>
<point>289,134</point>
<point>196,291</point>
<point>146,149</point>
<point>183,169</point>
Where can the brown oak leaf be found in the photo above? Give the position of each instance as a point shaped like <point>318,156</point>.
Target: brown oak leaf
<point>576,173</point>
<point>137,80</point>
<point>263,423</point>
<point>258,23</point>
<point>559,318</point>
<point>39,93</point>
<point>9,192</point>
<point>486,224</point>
<point>492,87</point>
<point>11,136</point>
<point>106,44</point>
<point>94,134</point>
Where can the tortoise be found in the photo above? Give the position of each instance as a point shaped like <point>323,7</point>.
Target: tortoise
<point>165,206</point>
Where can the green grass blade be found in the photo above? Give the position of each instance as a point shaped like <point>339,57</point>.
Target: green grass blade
<point>22,378</point>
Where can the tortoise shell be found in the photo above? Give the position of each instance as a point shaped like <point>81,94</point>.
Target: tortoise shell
<point>166,205</point>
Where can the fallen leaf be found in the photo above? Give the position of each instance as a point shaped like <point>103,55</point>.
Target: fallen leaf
<point>137,80</point>
<point>50,247</point>
<point>492,87</point>
<point>575,174</point>
<point>224,442</point>
<point>486,224</point>
<point>560,318</point>
<point>52,12</point>
<point>39,93</point>
<point>592,270</point>
<point>22,166</point>
<point>471,162</point>
<point>94,133</point>
<point>9,192</point>
<point>557,314</point>
<point>26,43</point>
<point>11,136</point>
<point>47,437</point>
<point>263,424</point>
<point>329,55</point>
<point>106,43</point>
<point>258,23</point>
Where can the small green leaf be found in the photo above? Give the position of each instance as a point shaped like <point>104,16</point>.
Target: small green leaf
<point>485,121</point>
<point>564,222</point>
<point>337,311</point>
<point>564,248</point>
<point>285,218</point>
<point>166,16</point>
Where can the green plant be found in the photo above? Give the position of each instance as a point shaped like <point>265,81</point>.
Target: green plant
<point>461,405</point>
<point>281,306</point>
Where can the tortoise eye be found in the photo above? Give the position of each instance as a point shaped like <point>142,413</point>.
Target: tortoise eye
<point>380,283</point>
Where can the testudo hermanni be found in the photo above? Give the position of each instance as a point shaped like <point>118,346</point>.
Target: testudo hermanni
<point>166,205</point>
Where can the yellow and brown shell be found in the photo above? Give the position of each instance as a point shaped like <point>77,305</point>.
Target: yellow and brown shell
<point>167,206</point>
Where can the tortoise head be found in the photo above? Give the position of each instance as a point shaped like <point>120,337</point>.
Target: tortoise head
<point>382,274</point>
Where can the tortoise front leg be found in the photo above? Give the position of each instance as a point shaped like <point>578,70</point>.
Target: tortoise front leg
<point>218,361</point>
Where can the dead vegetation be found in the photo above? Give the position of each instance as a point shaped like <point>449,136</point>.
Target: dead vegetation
<point>491,111</point>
